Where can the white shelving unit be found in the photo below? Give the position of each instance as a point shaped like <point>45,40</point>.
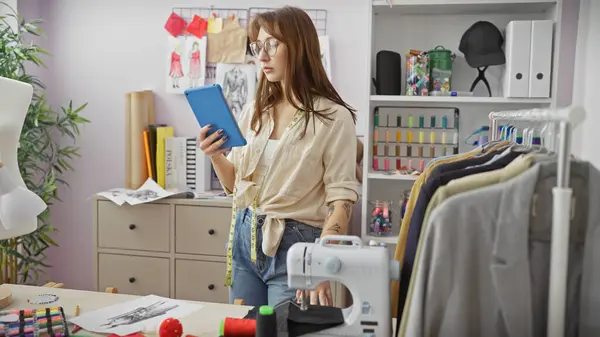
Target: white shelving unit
<point>402,25</point>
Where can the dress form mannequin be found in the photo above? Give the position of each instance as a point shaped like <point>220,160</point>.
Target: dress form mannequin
<point>15,98</point>
<point>19,207</point>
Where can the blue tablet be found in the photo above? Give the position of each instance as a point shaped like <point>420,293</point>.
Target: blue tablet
<point>210,107</point>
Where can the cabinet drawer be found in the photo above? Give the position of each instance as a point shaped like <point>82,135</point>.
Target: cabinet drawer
<point>140,227</point>
<point>134,275</point>
<point>200,281</point>
<point>201,230</point>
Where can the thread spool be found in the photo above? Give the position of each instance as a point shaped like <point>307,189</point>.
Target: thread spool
<point>410,121</point>
<point>398,149</point>
<point>238,327</point>
<point>399,121</point>
<point>375,164</point>
<point>266,322</point>
<point>432,123</point>
<point>444,122</point>
<point>398,164</point>
<point>386,164</point>
<point>421,122</point>
<point>398,136</point>
<point>422,165</point>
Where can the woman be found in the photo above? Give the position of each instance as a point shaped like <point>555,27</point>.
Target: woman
<point>295,181</point>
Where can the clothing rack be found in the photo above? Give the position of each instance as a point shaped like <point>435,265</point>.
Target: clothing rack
<point>565,119</point>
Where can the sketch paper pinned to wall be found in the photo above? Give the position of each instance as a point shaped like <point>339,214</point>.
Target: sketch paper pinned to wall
<point>229,45</point>
<point>134,316</point>
<point>196,52</point>
<point>325,54</point>
<point>256,64</point>
<point>177,65</point>
<point>239,84</point>
<point>148,192</point>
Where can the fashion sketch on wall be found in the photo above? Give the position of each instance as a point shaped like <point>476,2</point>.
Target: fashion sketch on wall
<point>177,65</point>
<point>196,53</point>
<point>325,54</point>
<point>238,82</point>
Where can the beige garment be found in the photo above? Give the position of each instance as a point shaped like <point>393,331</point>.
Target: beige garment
<point>454,187</point>
<point>306,173</point>
<point>229,45</point>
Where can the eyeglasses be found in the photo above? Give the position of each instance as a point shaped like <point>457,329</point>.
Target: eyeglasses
<point>270,46</point>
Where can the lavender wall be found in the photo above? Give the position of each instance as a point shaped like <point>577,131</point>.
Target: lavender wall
<point>103,49</point>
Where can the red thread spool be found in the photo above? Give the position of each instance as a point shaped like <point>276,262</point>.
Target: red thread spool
<point>238,327</point>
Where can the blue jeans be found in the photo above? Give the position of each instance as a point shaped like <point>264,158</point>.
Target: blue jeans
<point>264,282</point>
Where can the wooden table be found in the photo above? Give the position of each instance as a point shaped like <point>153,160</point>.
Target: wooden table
<point>202,323</point>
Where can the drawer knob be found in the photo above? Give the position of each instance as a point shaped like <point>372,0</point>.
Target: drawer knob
<point>211,286</point>
<point>132,226</point>
<point>131,279</point>
<point>211,231</point>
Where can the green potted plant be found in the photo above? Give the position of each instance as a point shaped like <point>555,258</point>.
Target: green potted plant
<point>43,156</point>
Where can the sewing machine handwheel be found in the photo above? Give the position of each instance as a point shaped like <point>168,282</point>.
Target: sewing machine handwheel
<point>356,241</point>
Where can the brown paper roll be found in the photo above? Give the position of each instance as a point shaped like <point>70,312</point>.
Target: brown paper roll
<point>139,122</point>
<point>128,140</point>
<point>139,113</point>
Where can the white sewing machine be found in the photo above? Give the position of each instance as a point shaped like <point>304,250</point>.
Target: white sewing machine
<point>366,272</point>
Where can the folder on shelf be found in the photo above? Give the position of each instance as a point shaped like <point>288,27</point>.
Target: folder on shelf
<point>517,48</point>
<point>162,133</point>
<point>540,63</point>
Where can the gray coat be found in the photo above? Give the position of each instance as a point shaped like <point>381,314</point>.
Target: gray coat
<point>484,265</point>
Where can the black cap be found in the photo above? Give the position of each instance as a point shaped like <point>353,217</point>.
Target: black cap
<point>482,45</point>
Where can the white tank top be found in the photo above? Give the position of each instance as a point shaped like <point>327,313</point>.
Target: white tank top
<point>264,162</point>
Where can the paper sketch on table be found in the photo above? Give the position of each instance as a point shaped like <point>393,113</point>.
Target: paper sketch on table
<point>325,54</point>
<point>177,65</point>
<point>196,52</point>
<point>238,83</point>
<point>134,316</point>
<point>148,192</point>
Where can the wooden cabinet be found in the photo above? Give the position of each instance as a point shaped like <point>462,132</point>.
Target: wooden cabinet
<point>173,248</point>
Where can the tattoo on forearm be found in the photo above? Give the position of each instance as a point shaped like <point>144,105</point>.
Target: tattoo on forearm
<point>334,228</point>
<point>330,212</point>
<point>348,209</point>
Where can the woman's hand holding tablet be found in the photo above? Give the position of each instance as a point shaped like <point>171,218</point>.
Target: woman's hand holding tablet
<point>211,144</point>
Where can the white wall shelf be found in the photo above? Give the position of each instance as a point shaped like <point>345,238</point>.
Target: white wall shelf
<point>391,240</point>
<point>457,100</point>
<point>423,25</point>
<point>386,176</point>
<point>429,7</point>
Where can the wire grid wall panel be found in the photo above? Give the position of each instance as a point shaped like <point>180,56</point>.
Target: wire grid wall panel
<point>318,17</point>
<point>206,12</point>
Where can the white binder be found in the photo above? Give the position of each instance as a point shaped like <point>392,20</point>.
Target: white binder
<point>517,47</point>
<point>540,63</point>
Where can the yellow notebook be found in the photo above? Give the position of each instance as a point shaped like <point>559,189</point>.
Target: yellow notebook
<point>161,134</point>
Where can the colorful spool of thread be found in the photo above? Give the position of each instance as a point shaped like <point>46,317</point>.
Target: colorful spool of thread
<point>266,322</point>
<point>238,327</point>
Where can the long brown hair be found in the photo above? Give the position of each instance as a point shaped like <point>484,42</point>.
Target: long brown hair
<point>305,75</point>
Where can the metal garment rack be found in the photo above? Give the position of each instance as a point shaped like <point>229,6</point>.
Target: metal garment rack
<point>318,17</point>
<point>564,119</point>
